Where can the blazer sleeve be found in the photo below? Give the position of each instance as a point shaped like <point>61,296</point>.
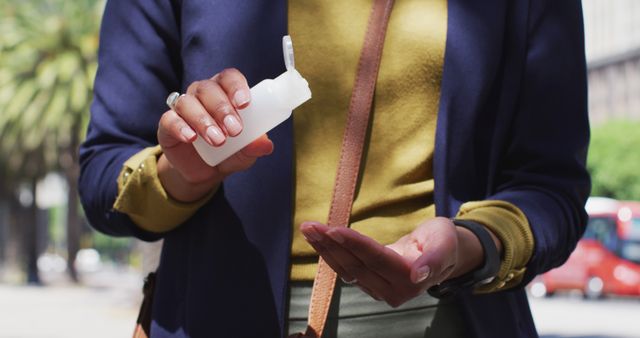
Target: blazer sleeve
<point>543,171</point>
<point>138,65</point>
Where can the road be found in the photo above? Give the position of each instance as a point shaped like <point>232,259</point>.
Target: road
<point>107,308</point>
<point>567,316</point>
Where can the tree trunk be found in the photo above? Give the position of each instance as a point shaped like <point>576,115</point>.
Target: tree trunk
<point>4,229</point>
<point>74,223</point>
<point>4,222</point>
<point>31,238</point>
<point>13,251</point>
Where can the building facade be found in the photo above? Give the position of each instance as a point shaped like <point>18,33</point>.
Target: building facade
<point>612,33</point>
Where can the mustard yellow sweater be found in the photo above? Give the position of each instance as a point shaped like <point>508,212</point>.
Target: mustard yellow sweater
<point>396,189</point>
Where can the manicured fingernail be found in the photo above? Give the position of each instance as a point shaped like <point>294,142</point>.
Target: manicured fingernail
<point>312,235</point>
<point>215,135</point>
<point>423,273</point>
<point>309,239</point>
<point>188,133</point>
<point>241,97</point>
<point>335,236</point>
<point>232,124</point>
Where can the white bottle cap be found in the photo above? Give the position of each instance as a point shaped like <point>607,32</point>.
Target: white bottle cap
<point>287,50</point>
<point>294,89</point>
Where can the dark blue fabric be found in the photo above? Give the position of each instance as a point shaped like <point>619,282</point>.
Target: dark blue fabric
<point>512,125</point>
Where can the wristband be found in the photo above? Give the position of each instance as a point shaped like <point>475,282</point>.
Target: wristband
<point>487,271</point>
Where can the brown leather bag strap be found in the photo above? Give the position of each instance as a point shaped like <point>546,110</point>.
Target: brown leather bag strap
<point>351,155</point>
<point>143,323</point>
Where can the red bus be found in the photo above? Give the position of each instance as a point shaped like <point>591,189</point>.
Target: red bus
<point>607,258</point>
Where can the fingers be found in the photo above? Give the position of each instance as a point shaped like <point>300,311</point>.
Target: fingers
<point>235,86</point>
<point>406,247</point>
<point>216,102</point>
<point>374,255</point>
<point>192,112</point>
<point>345,264</point>
<point>173,130</point>
<point>343,259</point>
<point>209,110</point>
<point>175,136</point>
<point>438,241</point>
<point>394,273</point>
<point>245,158</point>
<point>315,239</point>
<point>369,292</point>
<point>371,275</point>
<point>237,162</point>
<point>210,106</point>
<point>260,147</point>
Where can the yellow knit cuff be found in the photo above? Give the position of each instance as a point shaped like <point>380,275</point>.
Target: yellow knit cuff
<point>511,226</point>
<point>142,197</point>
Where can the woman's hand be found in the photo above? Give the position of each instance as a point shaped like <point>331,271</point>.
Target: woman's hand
<point>209,109</point>
<point>435,251</point>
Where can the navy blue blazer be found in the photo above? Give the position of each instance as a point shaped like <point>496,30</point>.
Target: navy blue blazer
<point>512,125</point>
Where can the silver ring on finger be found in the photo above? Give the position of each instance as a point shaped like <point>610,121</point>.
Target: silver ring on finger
<point>172,100</point>
<point>349,282</point>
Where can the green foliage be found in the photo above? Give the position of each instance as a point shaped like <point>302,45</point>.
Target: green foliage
<point>47,65</point>
<point>614,160</point>
<point>111,248</point>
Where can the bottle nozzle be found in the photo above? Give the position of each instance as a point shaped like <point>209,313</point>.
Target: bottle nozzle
<point>287,51</point>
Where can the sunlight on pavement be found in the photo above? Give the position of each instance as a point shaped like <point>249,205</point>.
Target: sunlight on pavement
<point>566,316</point>
<point>68,311</point>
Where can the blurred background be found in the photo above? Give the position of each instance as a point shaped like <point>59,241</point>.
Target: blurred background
<point>59,278</point>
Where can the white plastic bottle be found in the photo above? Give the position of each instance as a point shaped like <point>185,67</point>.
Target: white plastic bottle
<point>272,102</point>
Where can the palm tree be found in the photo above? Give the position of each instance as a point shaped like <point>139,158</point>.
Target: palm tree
<point>47,65</point>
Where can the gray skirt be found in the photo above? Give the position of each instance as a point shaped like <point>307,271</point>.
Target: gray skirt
<point>354,314</point>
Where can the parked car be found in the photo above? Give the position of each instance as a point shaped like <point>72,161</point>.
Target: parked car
<point>606,260</point>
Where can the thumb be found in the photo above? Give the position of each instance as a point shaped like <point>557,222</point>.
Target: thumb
<point>259,147</point>
<point>439,252</point>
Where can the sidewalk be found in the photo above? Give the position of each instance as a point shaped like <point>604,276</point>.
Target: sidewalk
<point>104,307</point>
<point>569,316</point>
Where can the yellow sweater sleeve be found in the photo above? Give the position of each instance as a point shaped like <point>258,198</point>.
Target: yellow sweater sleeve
<point>511,226</point>
<point>142,197</point>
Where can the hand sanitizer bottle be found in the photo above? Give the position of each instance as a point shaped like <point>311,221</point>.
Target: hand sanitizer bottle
<point>272,102</point>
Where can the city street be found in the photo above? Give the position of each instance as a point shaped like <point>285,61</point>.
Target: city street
<point>567,316</point>
<point>107,308</point>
